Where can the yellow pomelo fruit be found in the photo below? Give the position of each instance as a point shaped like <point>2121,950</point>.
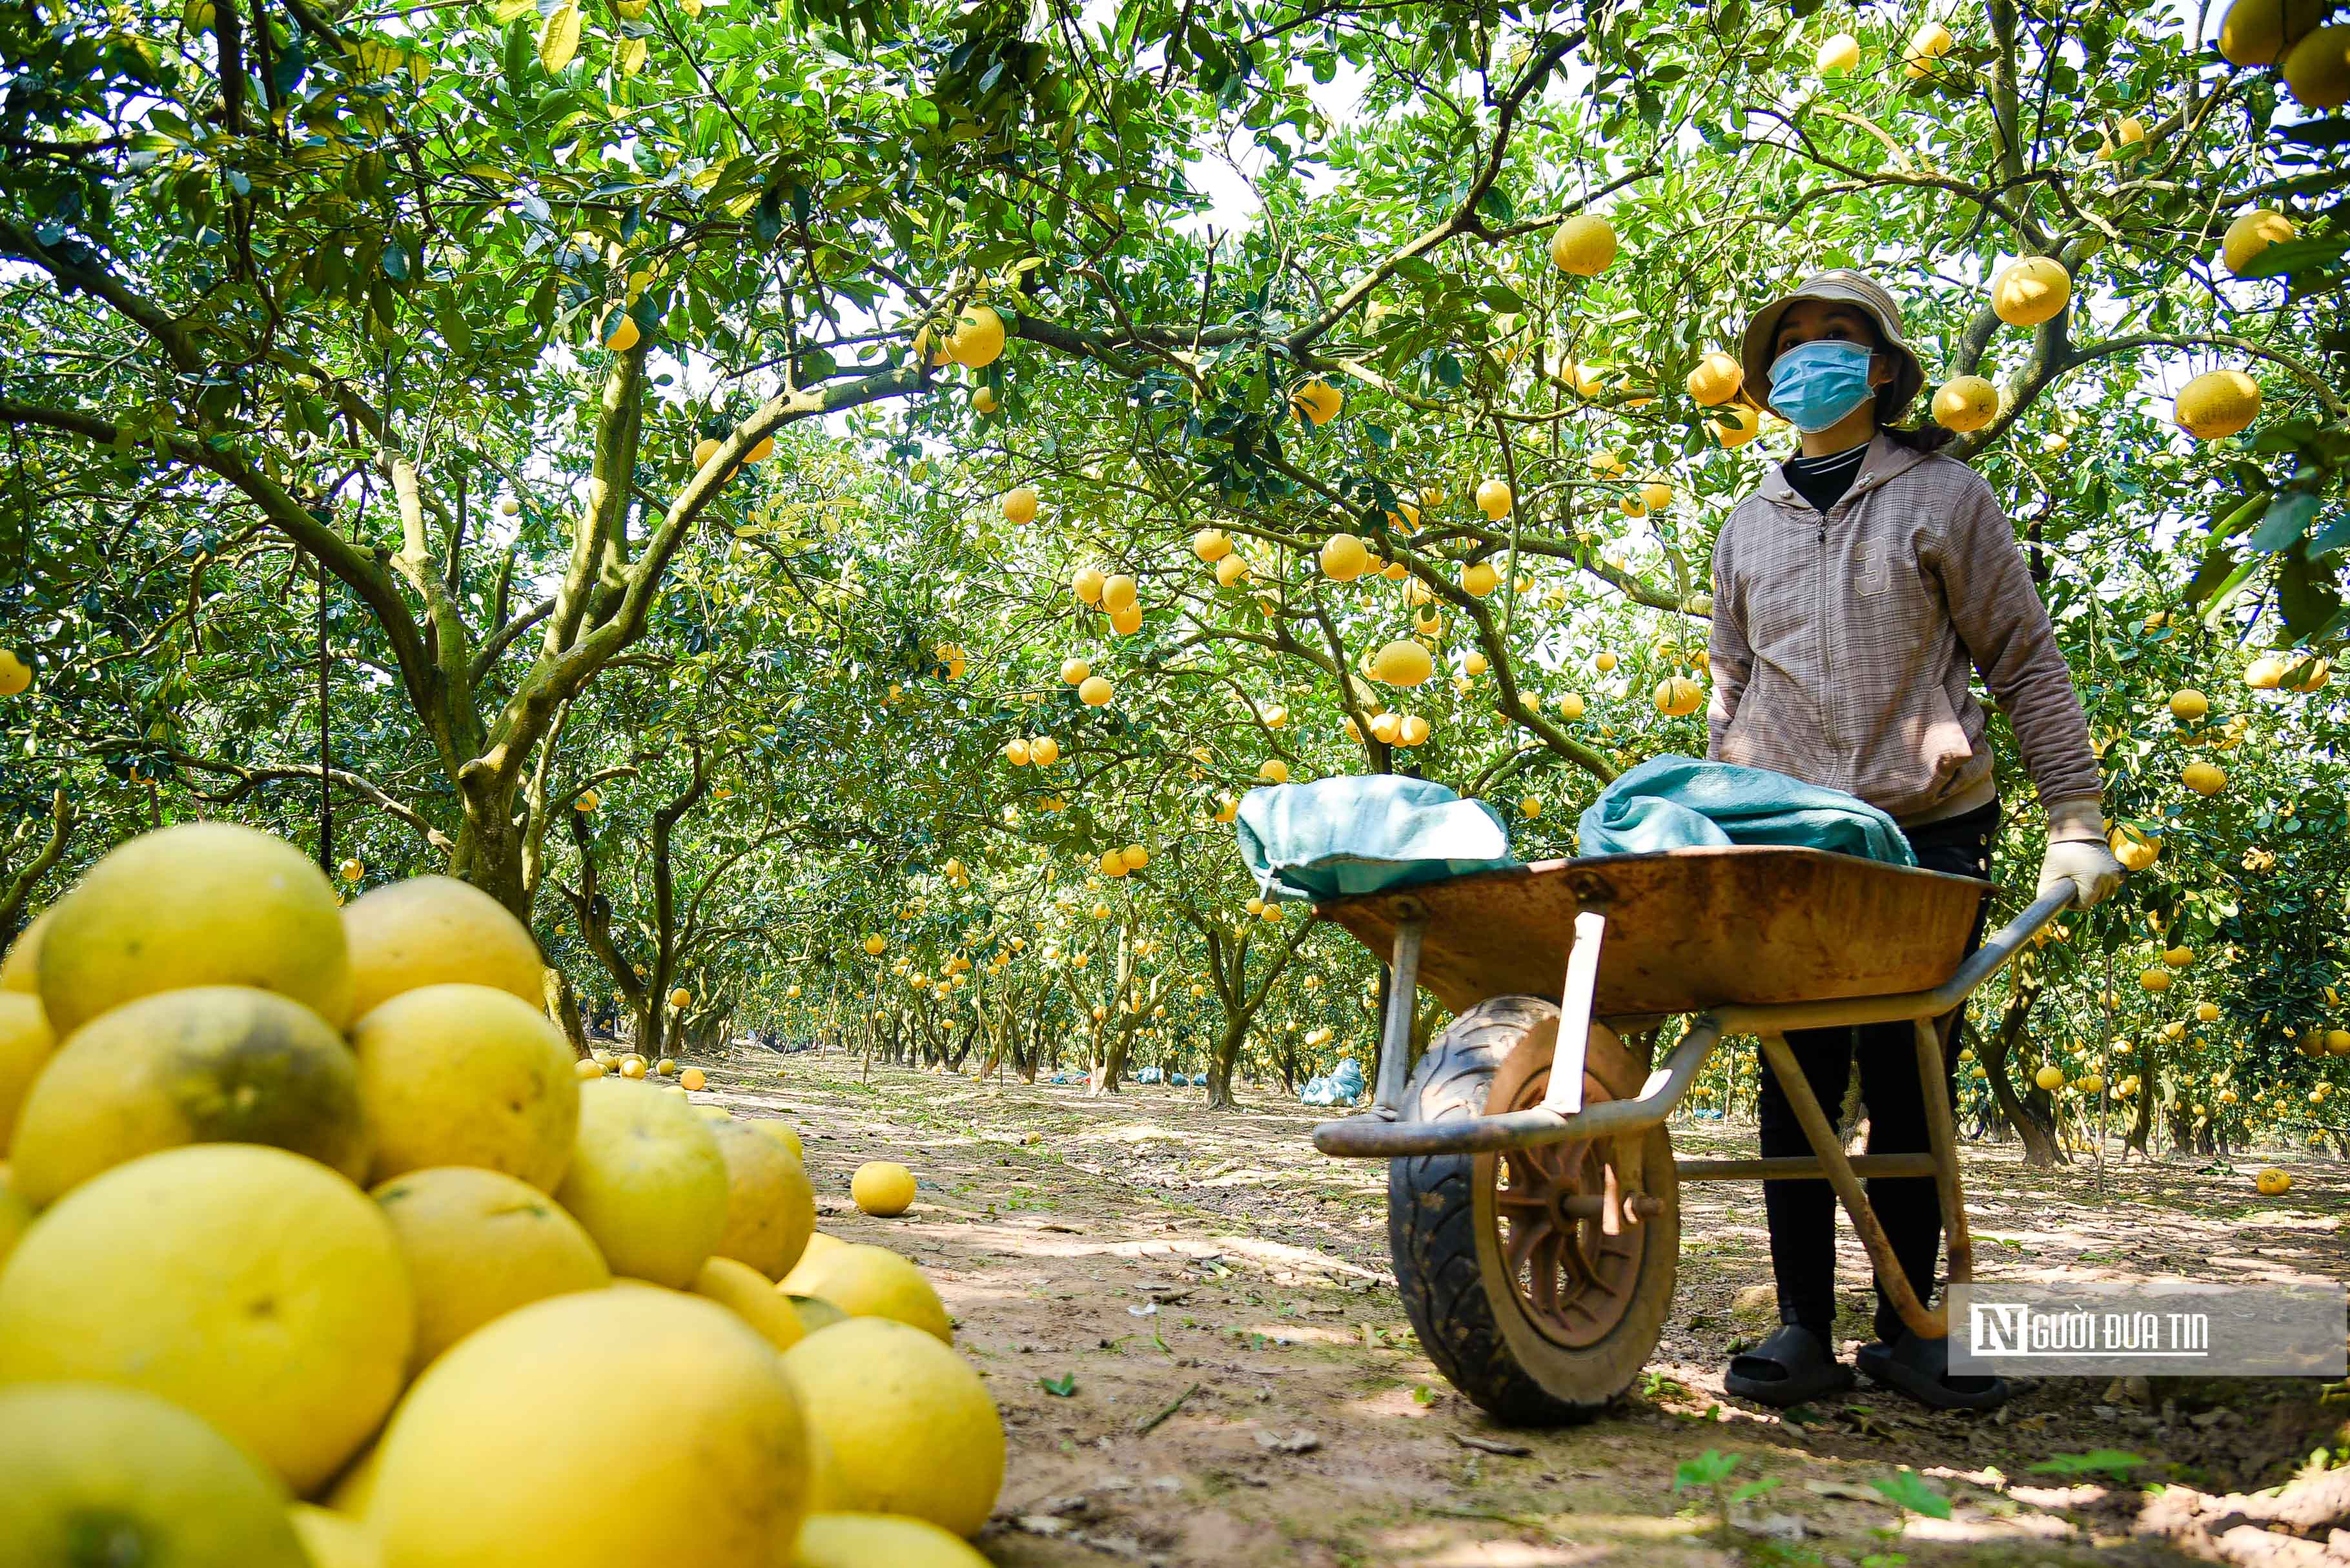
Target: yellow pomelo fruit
<point>977,340</point>
<point>2189,706</point>
<point>2249,235</point>
<point>100,1476</point>
<point>2134,849</point>
<point>489,1457</point>
<point>16,1216</point>
<point>982,400</point>
<point>1836,57</point>
<point>1735,425</point>
<point>741,1290</point>
<point>770,1206</point>
<point>884,1187</point>
<point>21,969</point>
<point>2259,32</point>
<point>2051,1078</point>
<point>1570,707</point>
<point>1583,246</point>
<point>2317,70</point>
<point>911,1427</point>
<point>1965,403</point>
<point>2204,778</point>
<point>1401,663</point>
<point>704,451</point>
<point>353,1490</point>
<point>2031,291</point>
<point>1094,692</point>
<point>646,1180</point>
<point>464,1074</point>
<point>205,903</point>
<point>26,1045</point>
<point>781,1131</point>
<point>1211,545</point>
<point>1676,695</point>
<point>871,1282</point>
<point>1715,380</point>
<point>434,931</point>
<point>1086,584</point>
<point>2155,979</point>
<point>254,1287</point>
<point>1272,770</point>
<point>1343,557</point>
<point>216,1064</point>
<point>333,1539</point>
<point>1020,505</point>
<point>2273,1182</point>
<point>1494,499</point>
<point>814,1312</point>
<point>880,1540</point>
<point>479,1244</point>
<point>2217,403</point>
<point>1479,578</point>
<point>1929,44</point>
<point>1118,591</point>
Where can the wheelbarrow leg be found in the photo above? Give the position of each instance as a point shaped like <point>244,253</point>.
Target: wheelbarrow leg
<point>1564,1093</point>
<point>1943,1135</point>
<point>1395,1037</point>
<point>1821,1132</point>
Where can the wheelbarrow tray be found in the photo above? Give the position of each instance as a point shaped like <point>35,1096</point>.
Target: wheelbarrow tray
<point>1688,929</point>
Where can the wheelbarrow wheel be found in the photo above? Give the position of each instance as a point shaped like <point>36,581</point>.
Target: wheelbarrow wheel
<point>1529,1302</point>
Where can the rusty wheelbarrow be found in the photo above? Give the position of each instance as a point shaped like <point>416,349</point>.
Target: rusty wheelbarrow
<point>1533,1196</point>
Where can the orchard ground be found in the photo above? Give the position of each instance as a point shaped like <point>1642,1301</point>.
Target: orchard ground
<point>1189,1323</point>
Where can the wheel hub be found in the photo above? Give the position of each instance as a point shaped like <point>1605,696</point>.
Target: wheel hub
<point>1573,1267</point>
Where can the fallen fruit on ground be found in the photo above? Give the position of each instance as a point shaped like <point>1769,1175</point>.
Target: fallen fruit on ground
<point>884,1187</point>
<point>254,1287</point>
<point>480,1244</point>
<point>104,1476</point>
<point>216,1064</point>
<point>911,1428</point>
<point>646,1180</point>
<point>871,1282</point>
<point>880,1540</point>
<point>483,1461</point>
<point>434,930</point>
<point>466,1075</point>
<point>749,1295</point>
<point>205,903</point>
<point>770,1206</point>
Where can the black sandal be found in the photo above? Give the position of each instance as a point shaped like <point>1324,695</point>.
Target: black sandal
<point>1922,1369</point>
<point>1792,1366</point>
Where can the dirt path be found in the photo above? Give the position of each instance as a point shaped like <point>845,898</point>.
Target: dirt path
<point>1190,1323</point>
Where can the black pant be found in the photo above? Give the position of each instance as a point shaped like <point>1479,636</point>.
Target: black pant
<point>1802,1213</point>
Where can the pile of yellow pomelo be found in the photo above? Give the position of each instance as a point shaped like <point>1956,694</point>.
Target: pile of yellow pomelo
<point>317,1248</point>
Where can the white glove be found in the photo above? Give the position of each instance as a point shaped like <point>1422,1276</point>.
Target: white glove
<point>2085,862</point>
<point>2077,851</point>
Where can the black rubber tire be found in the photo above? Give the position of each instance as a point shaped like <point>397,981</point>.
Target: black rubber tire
<point>1443,1242</point>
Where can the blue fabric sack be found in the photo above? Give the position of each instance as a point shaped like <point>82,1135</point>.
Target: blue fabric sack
<point>1363,834</point>
<point>1679,803</point>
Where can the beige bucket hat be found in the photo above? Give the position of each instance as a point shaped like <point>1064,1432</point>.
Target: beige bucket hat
<point>1844,286</point>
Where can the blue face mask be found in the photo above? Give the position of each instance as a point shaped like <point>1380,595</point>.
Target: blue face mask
<point>1815,384</point>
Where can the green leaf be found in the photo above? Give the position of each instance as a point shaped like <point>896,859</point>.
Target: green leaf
<point>2287,520</point>
<point>1709,1469</point>
<point>2112,1462</point>
<point>559,37</point>
<point>1063,1386</point>
<point>1908,1489</point>
<point>505,11</point>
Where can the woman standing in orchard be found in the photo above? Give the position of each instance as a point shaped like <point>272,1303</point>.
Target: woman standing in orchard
<point>1854,593</point>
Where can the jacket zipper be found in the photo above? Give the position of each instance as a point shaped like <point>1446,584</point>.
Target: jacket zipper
<point>1820,630</point>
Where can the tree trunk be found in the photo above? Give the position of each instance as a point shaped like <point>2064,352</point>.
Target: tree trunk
<point>1222,1061</point>
<point>2141,1132</point>
<point>2030,1115</point>
<point>564,1008</point>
